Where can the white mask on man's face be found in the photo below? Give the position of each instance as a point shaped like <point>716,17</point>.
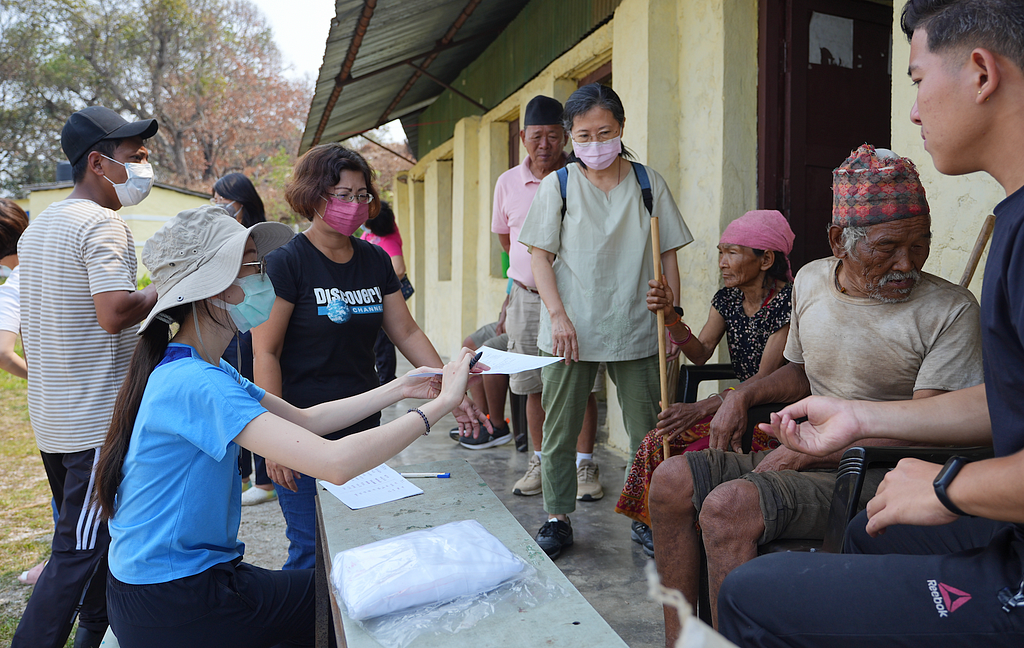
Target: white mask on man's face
<point>138,185</point>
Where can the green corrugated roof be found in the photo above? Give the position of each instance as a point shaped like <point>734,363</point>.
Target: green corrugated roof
<point>500,46</point>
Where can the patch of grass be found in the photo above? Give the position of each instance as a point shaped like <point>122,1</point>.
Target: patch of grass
<point>26,519</point>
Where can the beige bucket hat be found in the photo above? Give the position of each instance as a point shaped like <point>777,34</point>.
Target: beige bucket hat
<point>197,254</point>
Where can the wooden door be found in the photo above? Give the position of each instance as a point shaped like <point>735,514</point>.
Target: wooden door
<point>825,88</point>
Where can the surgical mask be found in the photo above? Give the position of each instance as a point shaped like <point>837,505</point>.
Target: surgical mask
<point>255,308</point>
<point>345,217</point>
<point>138,185</point>
<point>598,155</point>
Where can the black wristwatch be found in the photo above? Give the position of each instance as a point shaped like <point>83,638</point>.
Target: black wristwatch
<point>679,311</point>
<point>945,478</point>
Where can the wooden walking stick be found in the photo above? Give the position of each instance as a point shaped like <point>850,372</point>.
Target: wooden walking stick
<point>662,362</point>
<point>979,248</point>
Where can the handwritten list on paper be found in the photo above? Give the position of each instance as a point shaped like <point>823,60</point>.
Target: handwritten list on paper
<point>377,486</point>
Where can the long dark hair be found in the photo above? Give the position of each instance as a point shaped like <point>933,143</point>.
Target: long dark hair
<point>384,224</point>
<point>585,99</point>
<point>237,187</point>
<point>148,353</point>
<point>13,221</point>
<point>318,171</point>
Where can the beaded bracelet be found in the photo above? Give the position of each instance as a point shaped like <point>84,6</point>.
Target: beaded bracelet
<point>689,334</point>
<point>426,422</point>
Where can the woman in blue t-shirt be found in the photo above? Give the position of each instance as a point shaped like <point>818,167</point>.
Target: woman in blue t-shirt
<point>176,571</point>
<point>335,293</point>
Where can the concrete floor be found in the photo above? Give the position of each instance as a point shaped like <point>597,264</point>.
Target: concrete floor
<point>604,564</point>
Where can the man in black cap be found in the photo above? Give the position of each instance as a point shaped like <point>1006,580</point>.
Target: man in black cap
<point>544,139</point>
<point>79,308</point>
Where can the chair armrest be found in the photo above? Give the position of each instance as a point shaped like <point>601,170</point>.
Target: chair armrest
<point>850,479</point>
<point>690,376</point>
<point>758,414</point>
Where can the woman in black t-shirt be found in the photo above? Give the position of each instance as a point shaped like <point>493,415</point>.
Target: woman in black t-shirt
<point>334,294</point>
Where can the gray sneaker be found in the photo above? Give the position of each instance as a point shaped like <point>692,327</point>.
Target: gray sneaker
<point>530,483</point>
<point>588,485</point>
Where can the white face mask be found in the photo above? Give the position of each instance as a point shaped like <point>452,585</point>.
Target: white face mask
<point>138,185</point>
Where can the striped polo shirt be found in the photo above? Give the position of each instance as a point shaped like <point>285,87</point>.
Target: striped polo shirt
<point>71,251</point>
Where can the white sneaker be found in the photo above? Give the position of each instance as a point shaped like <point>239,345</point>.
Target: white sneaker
<point>588,484</point>
<point>530,483</point>
<point>255,496</point>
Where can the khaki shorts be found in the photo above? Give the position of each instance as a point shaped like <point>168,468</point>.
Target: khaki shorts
<point>522,324</point>
<point>484,333</point>
<point>793,504</point>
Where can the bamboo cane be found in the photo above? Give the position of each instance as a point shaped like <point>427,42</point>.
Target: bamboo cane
<point>662,362</point>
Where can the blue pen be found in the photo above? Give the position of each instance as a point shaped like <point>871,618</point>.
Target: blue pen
<point>476,359</point>
<point>437,475</point>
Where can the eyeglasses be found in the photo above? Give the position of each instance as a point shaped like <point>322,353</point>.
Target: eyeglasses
<point>586,138</point>
<point>362,199</point>
<point>260,266</point>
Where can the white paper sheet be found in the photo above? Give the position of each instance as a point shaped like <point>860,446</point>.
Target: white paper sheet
<point>503,362</point>
<point>378,486</point>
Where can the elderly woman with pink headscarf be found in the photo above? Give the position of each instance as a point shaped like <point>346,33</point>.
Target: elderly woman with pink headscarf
<point>752,311</point>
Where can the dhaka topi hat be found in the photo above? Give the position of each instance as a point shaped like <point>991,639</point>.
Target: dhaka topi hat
<point>198,253</point>
<point>543,111</point>
<point>876,186</point>
<point>95,123</point>
<point>761,229</point>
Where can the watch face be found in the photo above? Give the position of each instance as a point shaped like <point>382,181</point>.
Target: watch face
<point>678,310</point>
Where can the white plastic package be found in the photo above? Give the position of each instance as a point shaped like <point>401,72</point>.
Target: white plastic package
<point>435,581</point>
<point>428,566</point>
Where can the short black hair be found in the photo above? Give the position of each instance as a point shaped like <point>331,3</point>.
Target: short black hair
<point>237,187</point>
<point>106,147</point>
<point>996,25</point>
<point>384,223</point>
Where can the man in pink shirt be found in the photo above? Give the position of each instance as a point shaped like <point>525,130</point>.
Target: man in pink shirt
<point>544,139</point>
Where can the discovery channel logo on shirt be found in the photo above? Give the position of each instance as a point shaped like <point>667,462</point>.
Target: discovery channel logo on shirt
<point>341,305</point>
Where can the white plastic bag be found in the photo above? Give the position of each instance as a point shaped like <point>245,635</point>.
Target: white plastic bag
<point>422,568</point>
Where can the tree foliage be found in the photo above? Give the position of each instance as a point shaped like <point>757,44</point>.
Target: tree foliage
<point>207,70</point>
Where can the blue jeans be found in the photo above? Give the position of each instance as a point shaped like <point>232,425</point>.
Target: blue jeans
<point>299,510</point>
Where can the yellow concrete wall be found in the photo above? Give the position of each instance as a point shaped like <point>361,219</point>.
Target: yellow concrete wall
<point>144,219</point>
<point>690,96</point>
<point>958,204</point>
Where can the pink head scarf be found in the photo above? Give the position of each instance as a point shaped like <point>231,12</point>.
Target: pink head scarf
<point>762,229</point>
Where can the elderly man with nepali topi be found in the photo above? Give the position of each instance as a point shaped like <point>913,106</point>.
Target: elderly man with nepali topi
<point>867,324</point>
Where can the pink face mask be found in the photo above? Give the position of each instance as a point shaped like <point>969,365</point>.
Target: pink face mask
<point>345,217</point>
<point>598,155</point>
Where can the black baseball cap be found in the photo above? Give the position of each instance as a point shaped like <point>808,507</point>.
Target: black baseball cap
<point>96,123</point>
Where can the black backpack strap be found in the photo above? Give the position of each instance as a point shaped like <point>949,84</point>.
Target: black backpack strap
<point>645,187</point>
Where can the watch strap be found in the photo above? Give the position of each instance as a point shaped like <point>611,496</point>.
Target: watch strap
<point>945,477</point>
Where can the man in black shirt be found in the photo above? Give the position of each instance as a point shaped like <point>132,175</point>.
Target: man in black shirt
<point>950,567</point>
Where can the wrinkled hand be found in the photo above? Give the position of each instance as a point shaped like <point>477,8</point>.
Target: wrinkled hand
<point>677,420</point>
<point>422,387</point>
<point>660,297</point>
<point>728,425</point>
<point>832,425</point>
<point>783,459</point>
<point>907,496</point>
<point>563,338</point>
<point>283,476</point>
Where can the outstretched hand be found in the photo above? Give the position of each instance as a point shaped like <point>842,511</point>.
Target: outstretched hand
<point>831,425</point>
<point>457,377</point>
